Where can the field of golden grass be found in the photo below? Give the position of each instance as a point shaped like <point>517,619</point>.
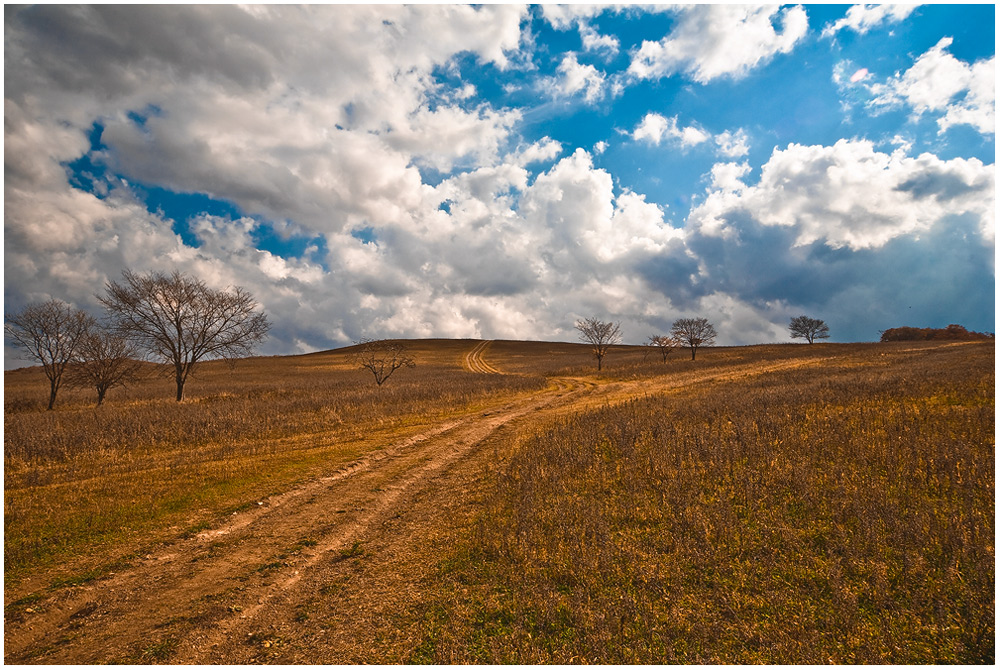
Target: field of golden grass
<point>837,514</point>
<point>769,504</point>
<point>83,479</point>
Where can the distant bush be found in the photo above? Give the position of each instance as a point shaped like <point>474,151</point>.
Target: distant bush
<point>952,332</point>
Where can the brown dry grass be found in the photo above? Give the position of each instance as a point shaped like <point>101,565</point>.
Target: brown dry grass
<point>842,514</point>
<point>779,504</point>
<point>86,480</point>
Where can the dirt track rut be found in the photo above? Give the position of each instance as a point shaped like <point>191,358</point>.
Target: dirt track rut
<point>474,361</point>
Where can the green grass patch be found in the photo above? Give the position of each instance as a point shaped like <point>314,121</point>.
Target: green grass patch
<point>354,551</point>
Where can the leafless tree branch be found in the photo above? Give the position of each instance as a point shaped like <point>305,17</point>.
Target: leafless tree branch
<point>665,343</point>
<point>180,321</point>
<point>103,361</point>
<point>49,333</point>
<point>808,328</point>
<point>600,335</point>
<point>382,358</point>
<point>694,333</point>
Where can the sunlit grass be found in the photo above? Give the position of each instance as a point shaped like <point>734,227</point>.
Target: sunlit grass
<point>772,504</point>
<point>82,479</point>
<point>839,514</point>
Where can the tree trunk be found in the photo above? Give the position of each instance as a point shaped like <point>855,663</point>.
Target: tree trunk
<point>53,388</point>
<point>693,350</point>
<point>100,395</point>
<point>180,388</point>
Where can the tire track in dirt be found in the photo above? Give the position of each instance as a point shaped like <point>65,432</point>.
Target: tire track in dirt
<point>474,361</point>
<point>225,578</point>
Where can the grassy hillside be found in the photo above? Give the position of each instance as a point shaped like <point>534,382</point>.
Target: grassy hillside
<point>770,504</point>
<point>842,514</point>
<point>81,479</point>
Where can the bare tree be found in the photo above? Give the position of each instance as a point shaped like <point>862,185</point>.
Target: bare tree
<point>49,333</point>
<point>665,343</point>
<point>600,335</point>
<point>180,321</point>
<point>382,358</point>
<point>810,329</point>
<point>694,333</point>
<point>104,360</point>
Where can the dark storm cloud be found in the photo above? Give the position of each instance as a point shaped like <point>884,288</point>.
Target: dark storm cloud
<point>763,263</point>
<point>945,275</point>
<point>674,274</point>
<point>940,185</point>
<point>494,277</point>
<point>113,50</point>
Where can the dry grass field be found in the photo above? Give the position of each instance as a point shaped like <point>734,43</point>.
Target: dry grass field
<point>82,479</point>
<point>769,504</point>
<point>840,514</point>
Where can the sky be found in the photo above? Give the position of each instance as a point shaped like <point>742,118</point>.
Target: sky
<point>501,171</point>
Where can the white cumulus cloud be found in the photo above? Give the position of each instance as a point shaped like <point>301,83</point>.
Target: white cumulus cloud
<point>543,150</point>
<point>939,82</point>
<point>849,195</point>
<point>862,18</point>
<point>607,45</point>
<point>564,16</point>
<point>733,144</point>
<point>575,77</point>
<point>656,129</point>
<point>712,41</point>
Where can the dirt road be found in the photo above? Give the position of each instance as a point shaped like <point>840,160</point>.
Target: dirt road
<point>329,572</point>
<point>229,593</point>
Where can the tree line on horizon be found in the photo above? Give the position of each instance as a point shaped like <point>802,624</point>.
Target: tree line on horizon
<point>688,332</point>
<point>697,332</point>
<point>954,331</point>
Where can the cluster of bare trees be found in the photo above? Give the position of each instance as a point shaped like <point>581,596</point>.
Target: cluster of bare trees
<point>178,321</point>
<point>174,319</point>
<point>692,333</point>
<point>50,333</point>
<point>689,332</point>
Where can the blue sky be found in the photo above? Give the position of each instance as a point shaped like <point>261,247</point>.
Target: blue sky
<point>500,171</point>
